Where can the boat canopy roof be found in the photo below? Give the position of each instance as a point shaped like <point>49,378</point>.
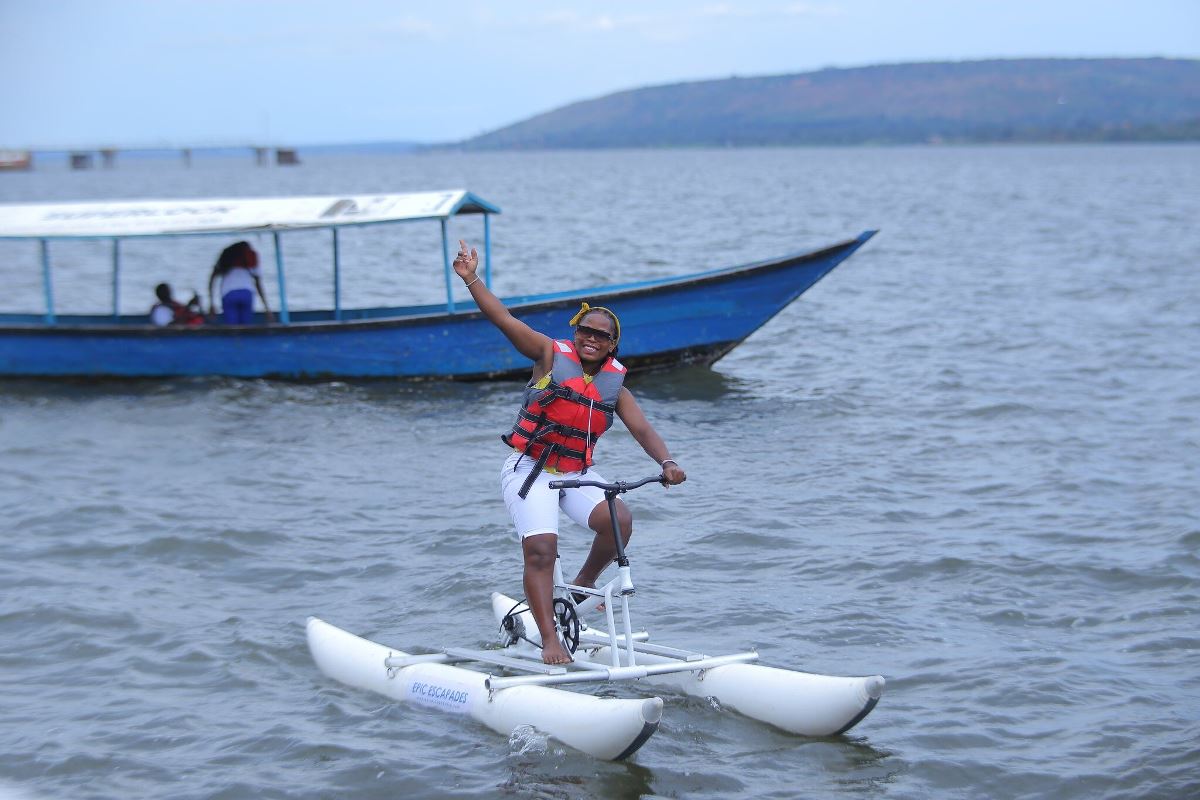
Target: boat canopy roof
<point>123,219</point>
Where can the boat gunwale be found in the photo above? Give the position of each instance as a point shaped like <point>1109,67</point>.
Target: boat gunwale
<point>517,305</point>
<point>659,361</point>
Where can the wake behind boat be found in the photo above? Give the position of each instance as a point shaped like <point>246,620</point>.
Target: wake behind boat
<point>508,687</point>
<point>690,319</point>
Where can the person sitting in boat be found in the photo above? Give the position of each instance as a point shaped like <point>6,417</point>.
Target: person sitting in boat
<point>169,311</point>
<point>237,270</point>
<point>576,389</point>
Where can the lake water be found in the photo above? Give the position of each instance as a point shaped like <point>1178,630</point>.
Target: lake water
<point>968,460</point>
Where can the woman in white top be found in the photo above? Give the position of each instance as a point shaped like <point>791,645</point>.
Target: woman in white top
<point>237,269</point>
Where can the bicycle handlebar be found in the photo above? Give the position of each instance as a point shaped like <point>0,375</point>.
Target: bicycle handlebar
<point>620,487</point>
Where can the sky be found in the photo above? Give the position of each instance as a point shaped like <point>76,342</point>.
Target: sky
<point>174,73</point>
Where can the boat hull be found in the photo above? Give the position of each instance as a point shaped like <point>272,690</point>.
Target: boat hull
<point>694,319</point>
<point>798,702</point>
<point>606,728</point>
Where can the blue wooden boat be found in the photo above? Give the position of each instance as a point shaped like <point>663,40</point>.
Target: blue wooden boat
<point>690,319</point>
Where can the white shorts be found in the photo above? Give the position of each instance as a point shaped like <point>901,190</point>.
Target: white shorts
<point>538,512</point>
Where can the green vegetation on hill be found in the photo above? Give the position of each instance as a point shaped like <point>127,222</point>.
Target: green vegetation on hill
<point>1019,100</point>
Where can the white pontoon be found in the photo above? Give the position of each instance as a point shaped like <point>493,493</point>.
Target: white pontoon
<point>510,686</point>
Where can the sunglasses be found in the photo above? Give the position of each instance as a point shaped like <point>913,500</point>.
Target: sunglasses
<point>593,333</point>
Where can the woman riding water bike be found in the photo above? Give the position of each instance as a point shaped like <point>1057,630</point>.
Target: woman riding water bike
<point>576,389</point>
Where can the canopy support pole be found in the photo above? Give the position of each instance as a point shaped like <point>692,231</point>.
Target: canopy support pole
<point>487,250</point>
<point>446,269</point>
<point>337,276</point>
<point>283,305</point>
<point>47,286</point>
<point>116,278</point>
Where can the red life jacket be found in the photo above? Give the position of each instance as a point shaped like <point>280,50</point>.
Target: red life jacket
<point>180,314</point>
<point>186,316</point>
<point>560,423</point>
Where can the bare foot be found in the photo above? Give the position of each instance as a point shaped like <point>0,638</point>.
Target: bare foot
<point>554,653</point>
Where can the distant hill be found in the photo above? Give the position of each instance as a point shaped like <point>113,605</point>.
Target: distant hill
<point>1018,100</point>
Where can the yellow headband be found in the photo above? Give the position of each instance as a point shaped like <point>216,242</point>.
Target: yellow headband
<point>585,309</point>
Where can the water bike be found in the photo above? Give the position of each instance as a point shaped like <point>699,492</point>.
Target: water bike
<point>509,686</point>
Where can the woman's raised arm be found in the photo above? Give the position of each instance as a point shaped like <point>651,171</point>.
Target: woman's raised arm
<point>529,343</point>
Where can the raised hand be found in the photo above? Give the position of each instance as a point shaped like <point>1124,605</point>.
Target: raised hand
<point>466,262</point>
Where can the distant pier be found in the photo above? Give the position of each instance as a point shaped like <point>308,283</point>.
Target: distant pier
<point>88,158</point>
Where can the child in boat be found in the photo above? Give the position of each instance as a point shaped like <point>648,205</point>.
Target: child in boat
<point>168,311</point>
<point>237,270</point>
<point>574,393</point>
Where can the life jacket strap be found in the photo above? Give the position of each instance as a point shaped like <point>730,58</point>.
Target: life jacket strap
<point>563,450</point>
<point>537,470</point>
<point>556,449</point>
<point>556,391</point>
<point>566,430</point>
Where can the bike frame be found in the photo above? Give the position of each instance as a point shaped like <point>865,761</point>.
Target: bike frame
<point>663,660</point>
<point>620,586</point>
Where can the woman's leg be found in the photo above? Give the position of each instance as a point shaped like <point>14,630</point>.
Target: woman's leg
<point>245,307</point>
<point>535,518</point>
<point>540,552</point>
<point>237,307</point>
<point>604,550</point>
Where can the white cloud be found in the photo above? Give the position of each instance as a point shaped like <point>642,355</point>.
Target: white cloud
<point>575,22</point>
